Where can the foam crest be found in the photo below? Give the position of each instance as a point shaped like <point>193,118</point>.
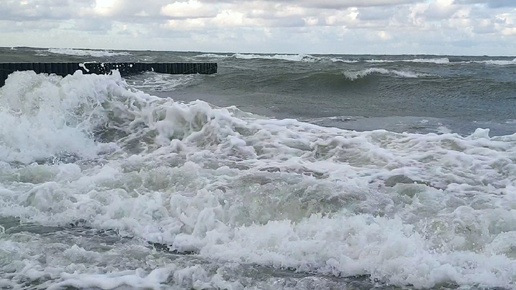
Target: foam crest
<point>51,116</point>
<point>498,62</point>
<point>212,55</point>
<point>443,60</point>
<point>288,57</point>
<point>160,82</point>
<point>86,52</point>
<point>372,71</point>
<point>336,59</point>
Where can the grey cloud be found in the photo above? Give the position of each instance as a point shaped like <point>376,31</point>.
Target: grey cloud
<point>41,9</point>
<point>410,24</point>
<point>151,8</point>
<point>435,12</point>
<point>484,29</point>
<point>501,3</point>
<point>369,13</point>
<point>23,26</point>
<point>489,3</point>
<point>339,4</point>
<point>326,4</point>
<point>92,26</point>
<point>287,22</point>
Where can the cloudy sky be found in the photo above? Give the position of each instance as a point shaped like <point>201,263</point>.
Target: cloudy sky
<point>472,27</point>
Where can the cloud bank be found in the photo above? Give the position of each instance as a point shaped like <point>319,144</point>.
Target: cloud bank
<point>303,26</point>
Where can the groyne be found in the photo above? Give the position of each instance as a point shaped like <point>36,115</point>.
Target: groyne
<point>125,68</point>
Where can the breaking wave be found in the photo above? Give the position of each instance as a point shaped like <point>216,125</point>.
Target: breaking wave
<point>86,52</point>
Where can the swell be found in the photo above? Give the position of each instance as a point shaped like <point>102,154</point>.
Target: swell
<point>418,60</point>
<point>309,81</point>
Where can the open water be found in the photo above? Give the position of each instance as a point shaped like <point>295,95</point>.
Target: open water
<point>278,172</point>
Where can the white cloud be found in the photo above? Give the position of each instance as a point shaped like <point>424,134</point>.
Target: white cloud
<point>188,9</point>
<point>384,35</point>
<point>344,4</point>
<point>106,7</point>
<point>489,3</point>
<point>231,18</point>
<point>358,26</point>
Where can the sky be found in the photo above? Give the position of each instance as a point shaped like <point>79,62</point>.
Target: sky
<point>441,27</point>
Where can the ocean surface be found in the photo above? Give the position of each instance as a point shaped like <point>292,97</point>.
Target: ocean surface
<point>278,172</point>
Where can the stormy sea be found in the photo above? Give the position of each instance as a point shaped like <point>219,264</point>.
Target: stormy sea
<point>280,171</point>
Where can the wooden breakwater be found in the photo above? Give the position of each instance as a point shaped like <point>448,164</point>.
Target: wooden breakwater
<point>125,68</point>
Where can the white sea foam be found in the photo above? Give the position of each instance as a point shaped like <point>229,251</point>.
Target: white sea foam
<point>354,75</point>
<point>213,55</point>
<point>85,52</point>
<point>43,117</point>
<point>498,62</point>
<point>289,57</point>
<point>310,58</point>
<point>337,59</point>
<point>160,82</point>
<point>406,209</point>
<point>443,60</point>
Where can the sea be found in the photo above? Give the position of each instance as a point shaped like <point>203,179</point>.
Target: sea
<point>280,171</point>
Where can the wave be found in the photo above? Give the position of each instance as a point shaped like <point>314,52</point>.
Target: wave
<point>323,82</point>
<point>288,57</point>
<point>84,52</point>
<point>352,60</point>
<point>446,61</point>
<point>443,60</point>
<point>48,116</point>
<point>311,58</point>
<point>403,209</point>
<point>497,62</point>
<point>160,82</point>
<point>336,59</point>
<point>212,55</point>
<point>355,75</point>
